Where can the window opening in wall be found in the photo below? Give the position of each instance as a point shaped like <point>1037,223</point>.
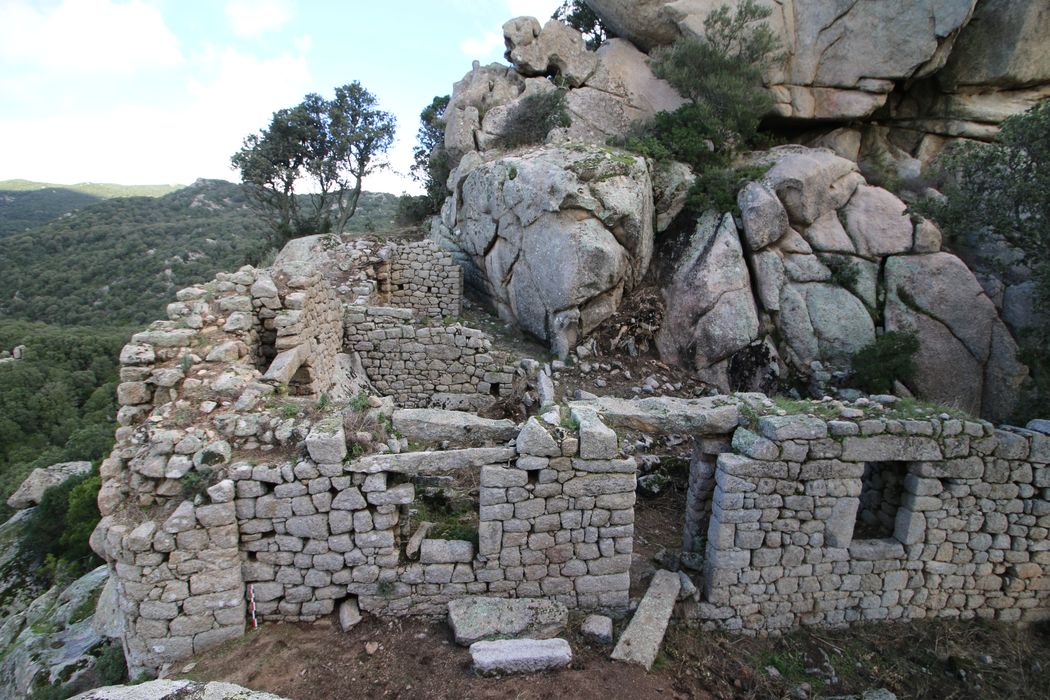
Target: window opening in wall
<point>882,489</point>
<point>449,502</point>
<point>494,389</point>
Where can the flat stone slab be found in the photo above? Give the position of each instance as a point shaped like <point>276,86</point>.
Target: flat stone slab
<point>520,655</point>
<point>479,618</point>
<point>459,429</point>
<point>431,462</point>
<point>640,642</point>
<point>715,415</point>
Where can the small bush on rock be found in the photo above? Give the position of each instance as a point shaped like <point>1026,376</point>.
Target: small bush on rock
<point>583,19</point>
<point>889,358</point>
<point>718,188</point>
<point>111,667</point>
<point>534,117</point>
<point>721,76</point>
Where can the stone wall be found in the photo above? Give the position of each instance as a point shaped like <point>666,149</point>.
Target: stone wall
<point>426,279</point>
<point>412,362</point>
<point>786,540</point>
<point>302,316</point>
<point>551,524</point>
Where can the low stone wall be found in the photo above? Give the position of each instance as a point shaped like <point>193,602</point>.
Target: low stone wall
<point>551,524</point>
<point>426,279</point>
<point>969,536</point>
<point>412,362</point>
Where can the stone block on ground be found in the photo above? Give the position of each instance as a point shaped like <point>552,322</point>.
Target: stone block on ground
<point>640,642</point>
<point>478,618</point>
<point>599,628</point>
<point>349,614</point>
<point>520,655</point>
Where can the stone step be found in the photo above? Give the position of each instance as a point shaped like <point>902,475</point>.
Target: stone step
<point>432,426</point>
<point>640,642</point>
<point>480,617</point>
<point>520,655</point>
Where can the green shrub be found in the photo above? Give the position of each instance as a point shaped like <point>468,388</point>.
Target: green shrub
<point>196,482</point>
<point>111,668</point>
<point>360,404</point>
<point>1000,192</point>
<point>583,19</point>
<point>721,76</point>
<point>843,272</point>
<point>889,358</point>
<point>55,537</point>
<point>718,188</point>
<point>534,117</point>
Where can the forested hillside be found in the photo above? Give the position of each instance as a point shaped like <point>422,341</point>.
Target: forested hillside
<point>73,290</point>
<point>57,403</point>
<point>25,204</point>
<point>119,261</point>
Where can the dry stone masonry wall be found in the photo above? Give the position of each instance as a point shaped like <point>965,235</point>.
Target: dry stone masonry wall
<point>305,317</point>
<point>551,524</point>
<point>828,523</point>
<point>248,469</point>
<point>413,362</point>
<point>426,279</point>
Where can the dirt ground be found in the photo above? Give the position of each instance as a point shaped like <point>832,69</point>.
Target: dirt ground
<point>415,658</point>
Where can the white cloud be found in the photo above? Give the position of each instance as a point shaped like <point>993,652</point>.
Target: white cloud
<point>86,36</point>
<point>482,47</point>
<point>253,18</point>
<point>540,9</point>
<point>192,135</point>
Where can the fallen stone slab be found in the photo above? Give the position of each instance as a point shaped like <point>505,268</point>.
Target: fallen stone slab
<point>459,429</point>
<point>176,690</point>
<point>520,655</point>
<point>349,614</point>
<point>478,618</point>
<point>640,642</point>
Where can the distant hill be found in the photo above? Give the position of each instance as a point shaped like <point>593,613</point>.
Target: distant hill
<point>99,190</point>
<point>119,261</point>
<point>25,204</point>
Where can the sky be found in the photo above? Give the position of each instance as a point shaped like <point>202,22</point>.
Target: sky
<point>164,91</point>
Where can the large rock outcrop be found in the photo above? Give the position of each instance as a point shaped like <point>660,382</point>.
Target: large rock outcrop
<point>553,237</point>
<point>40,480</point>
<point>942,67</point>
<point>53,642</point>
<point>829,261</point>
<point>607,90</point>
